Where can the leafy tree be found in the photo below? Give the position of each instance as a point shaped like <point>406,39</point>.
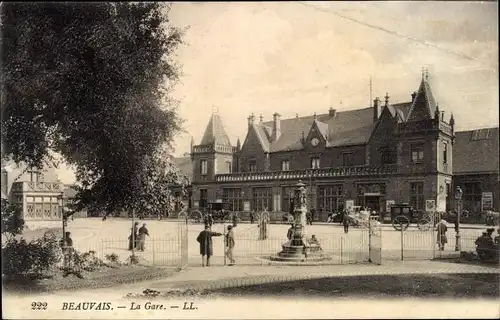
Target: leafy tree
<point>12,219</point>
<point>92,82</point>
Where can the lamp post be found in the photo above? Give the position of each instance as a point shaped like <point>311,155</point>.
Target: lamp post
<point>458,198</point>
<point>64,222</point>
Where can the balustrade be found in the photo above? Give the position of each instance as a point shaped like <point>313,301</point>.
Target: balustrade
<point>307,173</point>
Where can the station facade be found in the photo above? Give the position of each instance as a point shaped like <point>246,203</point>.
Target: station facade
<point>372,157</point>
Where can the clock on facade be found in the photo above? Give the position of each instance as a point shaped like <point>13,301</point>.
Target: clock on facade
<point>315,141</point>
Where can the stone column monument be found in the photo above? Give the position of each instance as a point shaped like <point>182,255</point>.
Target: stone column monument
<point>299,248</point>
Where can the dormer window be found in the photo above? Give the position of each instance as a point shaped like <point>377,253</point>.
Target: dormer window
<point>285,165</point>
<point>315,163</point>
<point>347,159</point>
<point>252,166</point>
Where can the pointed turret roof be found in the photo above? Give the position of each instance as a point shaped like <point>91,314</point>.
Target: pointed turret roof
<point>215,132</point>
<point>424,99</point>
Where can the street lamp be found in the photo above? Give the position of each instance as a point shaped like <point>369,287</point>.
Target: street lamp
<point>458,198</point>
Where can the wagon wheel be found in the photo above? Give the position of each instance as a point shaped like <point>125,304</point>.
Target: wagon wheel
<point>195,217</point>
<point>182,215</point>
<point>424,224</point>
<point>401,221</point>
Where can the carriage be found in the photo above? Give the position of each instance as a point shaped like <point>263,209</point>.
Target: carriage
<point>492,218</point>
<point>402,215</point>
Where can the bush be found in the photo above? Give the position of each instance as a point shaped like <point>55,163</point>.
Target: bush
<point>113,258</point>
<point>33,260</point>
<point>87,261</point>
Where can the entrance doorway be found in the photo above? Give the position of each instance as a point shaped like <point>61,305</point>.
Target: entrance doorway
<point>372,202</point>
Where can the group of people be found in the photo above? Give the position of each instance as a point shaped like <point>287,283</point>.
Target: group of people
<point>488,248</point>
<point>137,238</point>
<point>206,244</point>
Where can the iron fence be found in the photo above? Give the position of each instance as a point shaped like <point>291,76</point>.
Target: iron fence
<point>249,250</point>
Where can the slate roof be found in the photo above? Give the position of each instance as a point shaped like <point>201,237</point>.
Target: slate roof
<point>264,135</point>
<point>476,151</point>
<point>185,165</point>
<point>215,132</point>
<point>424,96</point>
<point>345,128</point>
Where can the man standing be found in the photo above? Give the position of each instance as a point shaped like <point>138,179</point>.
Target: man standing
<point>264,220</point>
<point>230,244</point>
<point>441,234</point>
<point>143,232</point>
<point>206,244</point>
<point>252,217</point>
<point>345,222</point>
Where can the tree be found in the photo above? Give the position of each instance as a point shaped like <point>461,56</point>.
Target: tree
<point>91,82</point>
<point>12,219</point>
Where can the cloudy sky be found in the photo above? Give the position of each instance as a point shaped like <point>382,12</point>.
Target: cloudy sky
<point>293,57</point>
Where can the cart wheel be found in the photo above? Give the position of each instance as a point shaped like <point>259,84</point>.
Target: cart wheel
<point>195,217</point>
<point>182,215</point>
<point>401,222</point>
<point>424,225</point>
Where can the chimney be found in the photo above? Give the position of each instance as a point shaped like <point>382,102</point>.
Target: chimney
<point>376,109</point>
<point>332,112</point>
<point>413,95</point>
<point>251,119</point>
<point>276,127</point>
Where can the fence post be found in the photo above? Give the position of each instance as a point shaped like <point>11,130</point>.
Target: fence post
<point>224,239</point>
<point>402,241</point>
<point>369,239</point>
<point>341,250</point>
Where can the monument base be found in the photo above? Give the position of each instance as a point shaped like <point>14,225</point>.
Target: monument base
<point>298,250</point>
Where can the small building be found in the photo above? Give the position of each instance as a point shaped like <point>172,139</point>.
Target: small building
<point>38,191</point>
<point>476,169</point>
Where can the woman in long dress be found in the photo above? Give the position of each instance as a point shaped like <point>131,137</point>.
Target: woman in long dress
<point>264,220</point>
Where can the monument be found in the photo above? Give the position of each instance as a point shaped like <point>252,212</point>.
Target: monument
<point>298,248</point>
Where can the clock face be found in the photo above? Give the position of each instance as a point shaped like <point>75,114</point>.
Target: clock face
<point>315,142</point>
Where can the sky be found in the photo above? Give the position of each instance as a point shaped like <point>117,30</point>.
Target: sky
<point>300,58</point>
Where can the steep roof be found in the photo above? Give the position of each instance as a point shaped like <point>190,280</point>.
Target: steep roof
<point>424,99</point>
<point>345,128</point>
<point>215,132</point>
<point>264,135</point>
<point>476,151</point>
<point>185,165</point>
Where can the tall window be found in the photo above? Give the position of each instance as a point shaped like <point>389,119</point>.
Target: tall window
<point>288,195</point>
<point>315,163</point>
<point>262,198</point>
<point>417,195</point>
<point>232,196</point>
<point>388,156</point>
<point>203,198</point>
<point>330,198</point>
<point>346,159</point>
<point>445,152</point>
<point>203,167</point>
<point>35,175</point>
<point>417,152</point>
<point>252,166</point>
<point>472,196</point>
<point>285,165</point>
<point>229,166</point>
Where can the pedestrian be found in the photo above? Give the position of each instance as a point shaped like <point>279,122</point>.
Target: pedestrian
<point>346,222</point>
<point>230,244</point>
<point>309,217</point>
<point>264,220</point>
<point>206,244</point>
<point>66,244</point>
<point>441,234</point>
<point>143,232</point>
<point>484,246</point>
<point>132,239</point>
<point>313,240</point>
<point>252,217</point>
<point>342,215</point>
<point>290,232</point>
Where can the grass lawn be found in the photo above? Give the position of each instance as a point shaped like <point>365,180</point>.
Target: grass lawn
<point>400,286</point>
<point>103,278</point>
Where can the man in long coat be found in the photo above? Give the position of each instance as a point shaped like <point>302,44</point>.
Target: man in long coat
<point>441,234</point>
<point>143,232</point>
<point>206,244</point>
<point>230,243</point>
<point>264,220</point>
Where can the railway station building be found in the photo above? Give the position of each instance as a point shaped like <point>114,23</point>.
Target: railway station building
<point>373,156</point>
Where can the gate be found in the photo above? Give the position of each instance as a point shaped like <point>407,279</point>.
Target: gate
<point>183,244</point>
<point>375,242</point>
